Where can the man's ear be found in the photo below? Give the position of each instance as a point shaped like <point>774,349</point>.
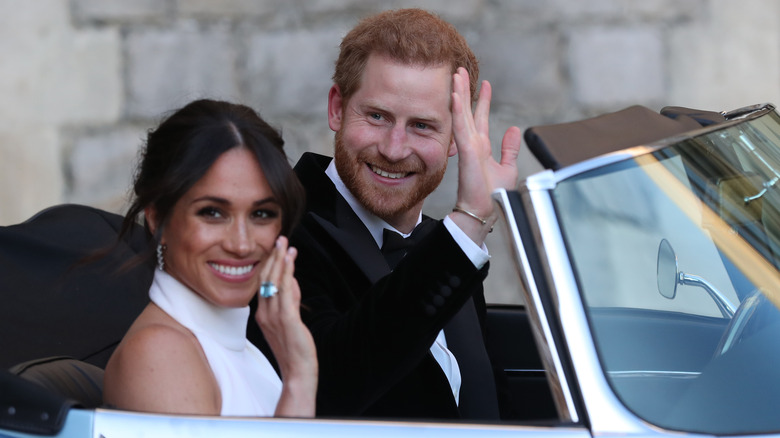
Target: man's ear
<point>453,148</point>
<point>335,108</point>
<point>150,214</point>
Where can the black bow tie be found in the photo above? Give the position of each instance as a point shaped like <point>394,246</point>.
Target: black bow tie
<point>395,246</point>
<point>395,242</point>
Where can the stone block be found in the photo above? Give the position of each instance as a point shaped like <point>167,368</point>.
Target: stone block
<point>616,66</point>
<point>314,7</point>
<point>57,74</point>
<point>118,11</point>
<point>606,11</point>
<point>101,165</point>
<point>729,61</point>
<point>290,72</point>
<point>460,13</point>
<point>31,178</point>
<point>524,70</point>
<point>166,68</point>
<point>87,78</point>
<point>511,12</point>
<point>227,8</point>
<point>304,134</point>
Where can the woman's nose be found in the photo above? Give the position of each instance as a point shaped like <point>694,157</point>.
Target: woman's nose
<point>239,241</point>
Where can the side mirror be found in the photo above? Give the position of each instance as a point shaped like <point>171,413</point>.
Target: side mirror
<point>666,270</point>
<point>669,276</point>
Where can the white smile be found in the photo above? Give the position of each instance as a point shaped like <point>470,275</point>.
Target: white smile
<point>232,270</point>
<point>381,172</point>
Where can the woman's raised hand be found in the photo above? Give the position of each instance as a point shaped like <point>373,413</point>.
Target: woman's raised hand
<point>279,318</point>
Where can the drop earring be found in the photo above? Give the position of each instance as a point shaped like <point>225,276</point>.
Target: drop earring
<point>160,259</point>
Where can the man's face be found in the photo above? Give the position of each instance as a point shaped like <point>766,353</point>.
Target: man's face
<point>393,137</point>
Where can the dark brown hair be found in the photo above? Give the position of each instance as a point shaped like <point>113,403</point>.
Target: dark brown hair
<point>186,144</point>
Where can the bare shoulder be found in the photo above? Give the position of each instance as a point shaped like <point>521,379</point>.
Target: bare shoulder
<point>160,367</point>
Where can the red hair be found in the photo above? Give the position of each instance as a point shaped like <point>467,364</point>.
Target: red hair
<point>408,36</point>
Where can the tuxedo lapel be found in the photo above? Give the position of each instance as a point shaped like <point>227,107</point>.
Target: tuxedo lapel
<point>478,398</point>
<point>336,218</point>
<point>350,233</point>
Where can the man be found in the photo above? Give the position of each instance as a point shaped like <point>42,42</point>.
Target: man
<point>401,341</point>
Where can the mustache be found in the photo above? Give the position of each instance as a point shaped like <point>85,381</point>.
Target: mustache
<point>411,164</point>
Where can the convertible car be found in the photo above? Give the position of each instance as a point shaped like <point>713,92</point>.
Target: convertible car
<point>647,254</point>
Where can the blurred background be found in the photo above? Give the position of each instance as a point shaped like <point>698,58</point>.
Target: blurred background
<point>83,80</point>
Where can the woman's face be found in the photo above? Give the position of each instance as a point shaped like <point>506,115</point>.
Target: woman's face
<point>222,229</point>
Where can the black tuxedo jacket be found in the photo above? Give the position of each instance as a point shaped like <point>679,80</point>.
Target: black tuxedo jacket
<point>374,328</point>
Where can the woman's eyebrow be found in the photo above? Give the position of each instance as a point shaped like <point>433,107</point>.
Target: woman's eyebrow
<point>223,201</point>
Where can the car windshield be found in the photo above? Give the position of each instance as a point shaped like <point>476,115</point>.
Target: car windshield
<point>676,253</point>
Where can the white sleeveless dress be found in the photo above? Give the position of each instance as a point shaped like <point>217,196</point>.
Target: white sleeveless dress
<point>248,382</point>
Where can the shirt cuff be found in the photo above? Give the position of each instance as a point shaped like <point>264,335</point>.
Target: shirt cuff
<point>478,255</point>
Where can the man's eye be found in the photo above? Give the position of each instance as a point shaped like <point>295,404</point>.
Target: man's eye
<point>376,116</point>
<point>421,125</point>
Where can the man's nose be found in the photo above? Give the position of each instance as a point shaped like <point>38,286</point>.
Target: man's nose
<point>395,145</point>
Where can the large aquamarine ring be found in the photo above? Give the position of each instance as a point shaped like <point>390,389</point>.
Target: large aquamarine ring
<point>268,289</point>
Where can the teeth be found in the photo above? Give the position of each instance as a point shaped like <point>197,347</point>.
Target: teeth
<point>381,172</point>
<point>232,270</point>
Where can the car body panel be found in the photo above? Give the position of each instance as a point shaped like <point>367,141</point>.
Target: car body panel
<point>118,424</point>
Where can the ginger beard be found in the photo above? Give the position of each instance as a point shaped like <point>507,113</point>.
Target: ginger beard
<point>385,201</point>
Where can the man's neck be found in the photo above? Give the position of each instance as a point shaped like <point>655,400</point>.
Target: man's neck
<point>405,222</point>
<point>375,224</point>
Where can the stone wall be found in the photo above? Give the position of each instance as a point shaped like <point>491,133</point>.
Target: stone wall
<point>82,80</point>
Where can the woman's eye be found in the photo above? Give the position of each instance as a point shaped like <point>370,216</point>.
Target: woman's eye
<point>209,212</point>
<point>266,214</point>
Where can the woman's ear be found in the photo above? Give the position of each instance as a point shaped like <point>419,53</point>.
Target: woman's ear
<point>150,215</point>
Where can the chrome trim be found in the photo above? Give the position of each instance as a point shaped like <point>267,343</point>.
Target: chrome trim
<point>544,180</point>
<point>748,111</point>
<point>725,306</point>
<point>745,311</point>
<point>524,370</point>
<point>121,424</point>
<point>545,342</point>
<point>653,373</point>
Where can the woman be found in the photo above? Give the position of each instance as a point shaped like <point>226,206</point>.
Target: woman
<point>218,196</point>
